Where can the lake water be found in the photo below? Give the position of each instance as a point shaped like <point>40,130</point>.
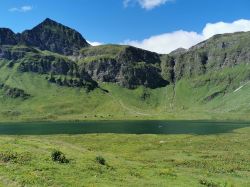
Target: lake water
<point>121,127</point>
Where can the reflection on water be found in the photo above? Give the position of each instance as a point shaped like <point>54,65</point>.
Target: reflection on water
<point>121,127</point>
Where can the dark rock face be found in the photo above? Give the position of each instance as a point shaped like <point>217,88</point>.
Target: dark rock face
<point>133,54</point>
<point>55,37</point>
<point>84,81</point>
<point>212,96</point>
<point>14,92</point>
<point>141,74</point>
<point>62,70</point>
<point>128,66</point>
<point>15,53</point>
<point>48,64</point>
<point>104,70</point>
<point>7,37</point>
<point>168,68</point>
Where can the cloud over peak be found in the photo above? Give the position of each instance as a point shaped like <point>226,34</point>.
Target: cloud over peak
<point>212,29</point>
<point>167,42</point>
<point>95,43</point>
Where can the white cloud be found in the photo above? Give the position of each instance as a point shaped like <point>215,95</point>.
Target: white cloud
<point>146,4</point>
<point>167,42</point>
<point>222,27</point>
<point>25,8</point>
<point>95,43</point>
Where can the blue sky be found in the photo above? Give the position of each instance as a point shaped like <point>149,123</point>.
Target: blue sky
<point>134,22</point>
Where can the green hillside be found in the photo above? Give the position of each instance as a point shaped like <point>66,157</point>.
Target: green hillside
<point>185,100</point>
<point>208,81</point>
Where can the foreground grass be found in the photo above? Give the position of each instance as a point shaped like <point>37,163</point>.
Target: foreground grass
<point>131,160</point>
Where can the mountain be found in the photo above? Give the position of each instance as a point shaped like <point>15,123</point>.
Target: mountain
<point>7,37</point>
<point>55,37</point>
<point>48,35</point>
<point>51,73</point>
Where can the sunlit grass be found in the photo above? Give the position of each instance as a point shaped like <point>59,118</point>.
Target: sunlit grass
<point>130,160</point>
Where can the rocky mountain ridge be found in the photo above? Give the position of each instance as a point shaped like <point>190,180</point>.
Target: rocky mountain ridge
<point>127,66</point>
<point>217,53</point>
<point>48,35</point>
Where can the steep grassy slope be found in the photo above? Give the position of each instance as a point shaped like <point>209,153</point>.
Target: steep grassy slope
<point>49,101</point>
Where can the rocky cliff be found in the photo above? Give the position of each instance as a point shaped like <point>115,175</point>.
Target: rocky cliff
<point>218,53</point>
<point>125,65</point>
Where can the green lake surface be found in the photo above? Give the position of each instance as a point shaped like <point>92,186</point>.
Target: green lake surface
<point>121,127</point>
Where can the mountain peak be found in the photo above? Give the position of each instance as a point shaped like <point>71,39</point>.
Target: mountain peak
<point>7,37</point>
<point>54,26</point>
<point>178,51</point>
<point>53,36</point>
<point>49,21</point>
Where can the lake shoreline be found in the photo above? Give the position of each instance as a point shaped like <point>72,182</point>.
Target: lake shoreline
<point>199,127</point>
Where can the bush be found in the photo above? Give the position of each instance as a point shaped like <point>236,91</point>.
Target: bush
<point>58,156</point>
<point>8,157</point>
<point>15,157</point>
<point>207,183</point>
<point>100,160</point>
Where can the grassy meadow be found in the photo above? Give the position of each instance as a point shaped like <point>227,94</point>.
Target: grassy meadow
<point>219,160</point>
<point>131,160</point>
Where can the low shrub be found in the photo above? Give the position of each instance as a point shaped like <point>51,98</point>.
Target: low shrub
<point>8,156</point>
<point>58,156</point>
<point>207,183</point>
<point>100,160</point>
<point>15,157</point>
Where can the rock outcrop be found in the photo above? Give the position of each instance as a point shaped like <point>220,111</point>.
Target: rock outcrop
<point>127,66</point>
<point>14,92</point>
